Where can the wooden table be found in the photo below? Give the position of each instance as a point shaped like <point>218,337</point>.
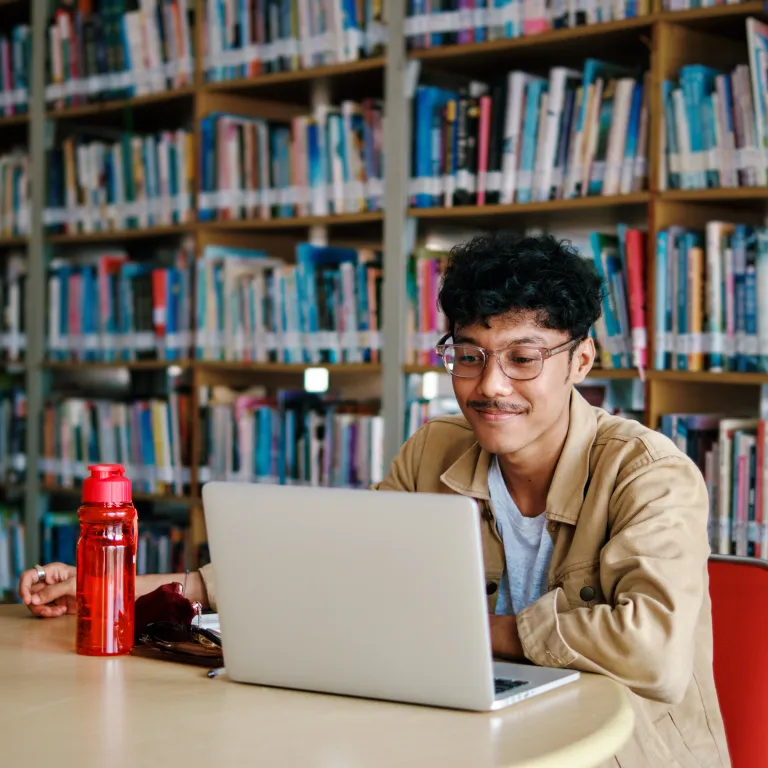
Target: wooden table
<point>58,709</point>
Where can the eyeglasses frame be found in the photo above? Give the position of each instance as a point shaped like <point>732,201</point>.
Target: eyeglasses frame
<point>545,352</point>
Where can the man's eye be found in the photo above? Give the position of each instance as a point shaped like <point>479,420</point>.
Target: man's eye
<point>516,359</point>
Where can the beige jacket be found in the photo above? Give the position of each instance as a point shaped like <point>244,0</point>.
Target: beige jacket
<point>628,589</point>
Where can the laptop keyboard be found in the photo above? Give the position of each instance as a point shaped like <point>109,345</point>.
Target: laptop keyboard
<point>502,686</point>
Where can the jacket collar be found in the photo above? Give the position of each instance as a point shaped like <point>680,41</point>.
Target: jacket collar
<point>468,475</point>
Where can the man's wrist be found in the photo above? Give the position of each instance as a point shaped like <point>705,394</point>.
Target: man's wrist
<point>505,640</point>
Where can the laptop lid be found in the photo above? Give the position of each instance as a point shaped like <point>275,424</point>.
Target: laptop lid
<point>376,594</point>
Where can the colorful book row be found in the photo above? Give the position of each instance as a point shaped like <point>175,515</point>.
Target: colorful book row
<point>325,308</point>
<point>105,306</point>
<point>15,57</point>
<point>258,37</point>
<point>162,547</point>
<point>150,438</point>
<point>525,138</point>
<point>13,299</point>
<point>14,194</point>
<point>716,123</point>
<point>291,438</point>
<point>731,454</point>
<point>135,182</point>
<point>12,557</point>
<point>711,310</point>
<point>620,333</point>
<point>111,49</point>
<point>448,22</point>
<point>325,163</point>
<point>13,433</point>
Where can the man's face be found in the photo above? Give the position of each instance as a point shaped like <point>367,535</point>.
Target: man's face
<point>506,415</point>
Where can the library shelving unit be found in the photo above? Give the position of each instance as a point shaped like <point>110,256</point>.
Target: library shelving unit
<point>664,40</point>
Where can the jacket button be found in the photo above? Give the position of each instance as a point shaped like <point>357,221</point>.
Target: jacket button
<point>490,588</point>
<point>587,594</point>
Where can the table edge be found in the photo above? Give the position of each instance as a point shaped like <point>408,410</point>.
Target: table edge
<point>595,749</point>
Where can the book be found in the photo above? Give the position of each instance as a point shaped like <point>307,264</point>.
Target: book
<point>15,58</point>
<point>524,138</point>
<point>112,49</point>
<point>433,24</point>
<point>255,37</point>
<point>290,437</point>
<point>106,306</point>
<point>253,307</point>
<point>116,182</point>
<point>716,122</point>
<point>327,162</point>
<point>711,295</point>
<point>14,194</point>
<point>149,437</point>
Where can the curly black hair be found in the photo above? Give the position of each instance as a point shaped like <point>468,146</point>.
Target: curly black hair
<point>503,273</point>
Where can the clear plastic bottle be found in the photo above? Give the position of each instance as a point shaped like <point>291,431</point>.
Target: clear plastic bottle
<point>106,563</point>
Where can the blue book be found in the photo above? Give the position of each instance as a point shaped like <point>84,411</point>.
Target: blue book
<point>661,353</point>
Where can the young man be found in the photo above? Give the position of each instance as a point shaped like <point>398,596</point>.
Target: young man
<point>594,527</point>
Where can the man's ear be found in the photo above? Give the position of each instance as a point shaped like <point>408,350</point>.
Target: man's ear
<point>583,360</point>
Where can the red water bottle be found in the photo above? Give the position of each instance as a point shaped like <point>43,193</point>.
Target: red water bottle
<point>106,563</point>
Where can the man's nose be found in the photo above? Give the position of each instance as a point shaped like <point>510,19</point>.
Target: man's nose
<point>494,383</point>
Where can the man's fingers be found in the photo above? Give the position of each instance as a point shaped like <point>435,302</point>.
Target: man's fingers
<point>51,592</point>
<point>49,611</point>
<point>27,580</point>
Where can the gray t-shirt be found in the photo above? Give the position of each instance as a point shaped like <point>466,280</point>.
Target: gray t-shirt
<point>527,548</point>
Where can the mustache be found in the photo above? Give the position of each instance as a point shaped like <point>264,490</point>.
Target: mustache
<point>497,405</point>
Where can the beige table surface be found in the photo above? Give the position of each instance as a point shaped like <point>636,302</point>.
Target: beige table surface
<point>61,710</point>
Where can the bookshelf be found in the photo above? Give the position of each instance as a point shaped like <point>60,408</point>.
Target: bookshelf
<point>663,40</point>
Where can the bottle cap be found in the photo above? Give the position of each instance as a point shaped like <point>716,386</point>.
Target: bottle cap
<point>106,484</point>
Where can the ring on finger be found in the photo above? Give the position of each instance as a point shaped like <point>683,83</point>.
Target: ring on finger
<point>40,573</point>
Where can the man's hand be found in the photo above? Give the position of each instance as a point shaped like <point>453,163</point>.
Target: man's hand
<point>505,642</point>
<point>53,597</point>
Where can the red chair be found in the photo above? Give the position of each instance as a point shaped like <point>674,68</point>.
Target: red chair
<point>739,590</point>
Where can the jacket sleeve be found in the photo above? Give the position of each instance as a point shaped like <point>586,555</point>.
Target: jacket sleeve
<point>404,469</point>
<point>653,573</point>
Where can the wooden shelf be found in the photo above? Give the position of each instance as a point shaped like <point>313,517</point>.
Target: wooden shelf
<point>344,69</point>
<point>173,230</point>
<point>13,120</point>
<point>136,365</point>
<point>18,241</point>
<point>333,368</point>
<point>517,209</point>
<point>720,194</point>
<point>118,105</point>
<point>137,495</point>
<point>553,37</point>
<point>217,365</point>
<point>339,219</point>
<point>714,12</point>
<point>708,377</point>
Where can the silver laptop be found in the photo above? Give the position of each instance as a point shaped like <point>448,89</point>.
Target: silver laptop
<point>373,594</point>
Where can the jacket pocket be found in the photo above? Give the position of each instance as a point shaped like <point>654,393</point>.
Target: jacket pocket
<point>581,585</point>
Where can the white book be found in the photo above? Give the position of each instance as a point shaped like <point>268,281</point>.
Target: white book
<point>614,156</point>
<point>715,276</point>
<point>560,78</point>
<point>516,86</point>
<point>757,42</point>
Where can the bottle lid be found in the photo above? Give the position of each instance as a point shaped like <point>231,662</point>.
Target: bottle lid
<point>106,484</point>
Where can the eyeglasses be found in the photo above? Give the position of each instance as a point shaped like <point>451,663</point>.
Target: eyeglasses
<point>519,362</point>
